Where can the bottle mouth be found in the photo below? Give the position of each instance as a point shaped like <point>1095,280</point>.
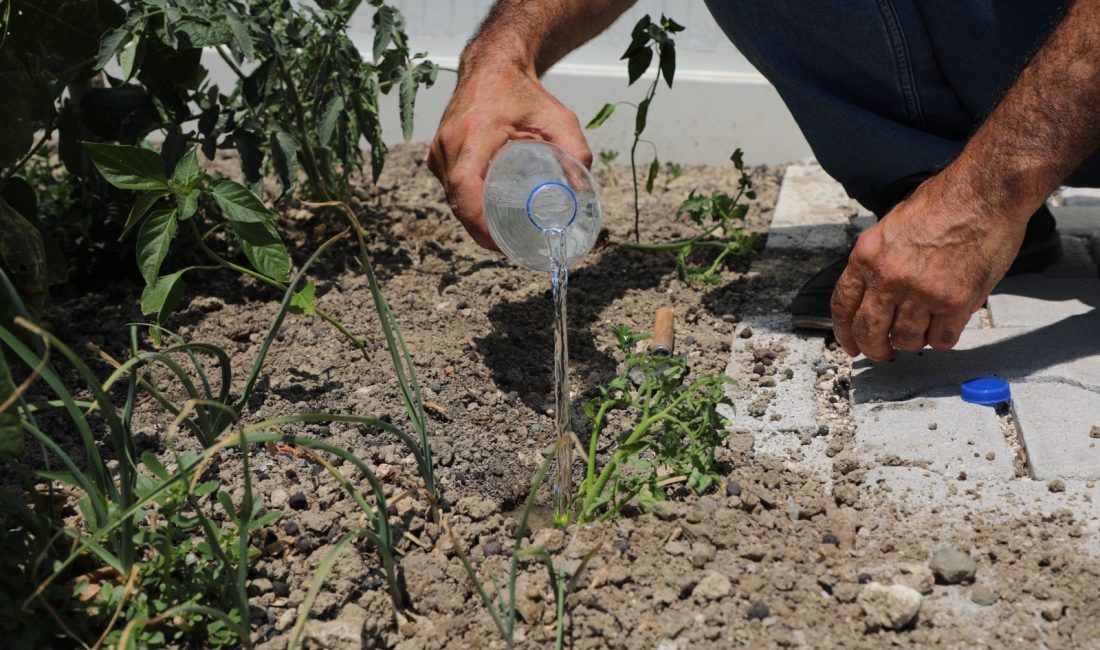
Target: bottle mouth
<point>552,206</point>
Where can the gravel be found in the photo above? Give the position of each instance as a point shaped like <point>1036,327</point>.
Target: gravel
<point>759,611</point>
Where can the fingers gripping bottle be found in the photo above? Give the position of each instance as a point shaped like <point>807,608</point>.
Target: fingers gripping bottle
<point>533,189</point>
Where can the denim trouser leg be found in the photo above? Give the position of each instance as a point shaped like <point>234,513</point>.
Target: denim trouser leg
<point>888,91</point>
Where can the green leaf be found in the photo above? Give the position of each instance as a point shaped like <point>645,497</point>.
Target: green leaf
<point>641,115</point>
<point>142,205</point>
<point>252,159</point>
<point>241,37</point>
<point>130,58</point>
<point>284,156</point>
<point>187,202</point>
<point>654,167</point>
<point>110,44</point>
<point>330,117</point>
<point>385,20</point>
<point>601,117</point>
<point>187,169</point>
<point>638,63</point>
<point>200,33</point>
<point>304,301</point>
<point>264,249</point>
<point>668,62</point>
<point>153,464</point>
<point>239,204</point>
<point>738,158</point>
<point>153,241</point>
<point>407,101</point>
<point>128,168</point>
<point>161,297</point>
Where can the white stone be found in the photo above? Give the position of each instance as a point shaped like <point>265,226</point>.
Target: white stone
<point>890,608</point>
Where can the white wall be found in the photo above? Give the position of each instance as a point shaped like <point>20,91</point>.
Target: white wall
<point>718,101</point>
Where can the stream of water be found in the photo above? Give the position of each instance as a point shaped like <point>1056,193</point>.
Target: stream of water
<point>563,471</point>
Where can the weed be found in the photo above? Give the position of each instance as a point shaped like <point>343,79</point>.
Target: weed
<point>669,432</point>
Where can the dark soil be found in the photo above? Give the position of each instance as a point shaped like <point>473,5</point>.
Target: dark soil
<point>733,568</point>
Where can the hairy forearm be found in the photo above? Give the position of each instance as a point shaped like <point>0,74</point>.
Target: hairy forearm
<point>533,35</point>
<point>1044,127</point>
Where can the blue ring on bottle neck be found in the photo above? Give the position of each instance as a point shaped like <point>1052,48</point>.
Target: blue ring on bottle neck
<point>539,188</point>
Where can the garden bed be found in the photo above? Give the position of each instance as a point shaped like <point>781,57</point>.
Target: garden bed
<point>737,567</point>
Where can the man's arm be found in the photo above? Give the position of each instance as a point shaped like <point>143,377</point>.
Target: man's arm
<point>499,96</point>
<point>917,276</point>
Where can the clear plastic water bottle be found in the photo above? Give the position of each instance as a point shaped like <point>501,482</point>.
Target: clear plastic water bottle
<point>534,188</point>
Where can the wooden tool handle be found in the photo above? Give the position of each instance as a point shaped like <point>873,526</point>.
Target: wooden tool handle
<point>663,333</point>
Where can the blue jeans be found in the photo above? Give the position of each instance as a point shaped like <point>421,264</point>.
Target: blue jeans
<point>887,92</point>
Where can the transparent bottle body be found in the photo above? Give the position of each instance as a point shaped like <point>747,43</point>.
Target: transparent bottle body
<point>532,188</point>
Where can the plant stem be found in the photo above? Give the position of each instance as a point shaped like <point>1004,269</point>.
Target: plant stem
<point>313,169</point>
<point>224,263</point>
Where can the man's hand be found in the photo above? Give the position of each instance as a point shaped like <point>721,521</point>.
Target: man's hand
<point>486,111</point>
<point>915,278</point>
<point>499,96</point>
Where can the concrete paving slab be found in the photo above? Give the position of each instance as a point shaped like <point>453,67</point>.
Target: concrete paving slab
<point>1079,196</point>
<point>1032,300</point>
<point>791,406</point>
<point>1068,350</point>
<point>812,212</point>
<point>1055,421</point>
<point>946,505</point>
<point>1077,219</point>
<point>944,434</point>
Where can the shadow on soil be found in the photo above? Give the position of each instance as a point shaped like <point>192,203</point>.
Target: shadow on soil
<point>520,351</point>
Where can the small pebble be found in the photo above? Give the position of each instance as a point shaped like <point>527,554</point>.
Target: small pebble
<point>622,545</point>
<point>759,611</point>
<point>788,373</point>
<point>823,430</point>
<point>280,589</point>
<point>291,527</point>
<point>982,595</point>
<point>302,544</point>
<point>822,368</point>
<point>989,455</point>
<point>746,333</point>
<point>1094,432</point>
<point>830,538</point>
<point>932,426</point>
<point>1051,610</point>
<point>1057,485</point>
<point>491,548</point>
<point>961,476</point>
<point>298,501</point>
<point>952,566</point>
<point>733,489</point>
<point>688,340</point>
<point>863,578</point>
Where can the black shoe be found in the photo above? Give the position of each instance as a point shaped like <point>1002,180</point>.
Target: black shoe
<point>810,308</point>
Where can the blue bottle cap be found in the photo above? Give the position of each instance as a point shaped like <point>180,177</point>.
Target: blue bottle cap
<point>987,391</point>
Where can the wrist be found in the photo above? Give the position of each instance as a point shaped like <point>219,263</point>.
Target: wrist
<point>999,189</point>
<point>500,53</point>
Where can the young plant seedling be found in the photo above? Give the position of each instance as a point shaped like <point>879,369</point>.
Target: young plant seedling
<point>648,40</point>
<point>719,217</point>
<point>670,434</point>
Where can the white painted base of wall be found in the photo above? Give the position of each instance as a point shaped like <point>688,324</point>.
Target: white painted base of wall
<point>700,121</point>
